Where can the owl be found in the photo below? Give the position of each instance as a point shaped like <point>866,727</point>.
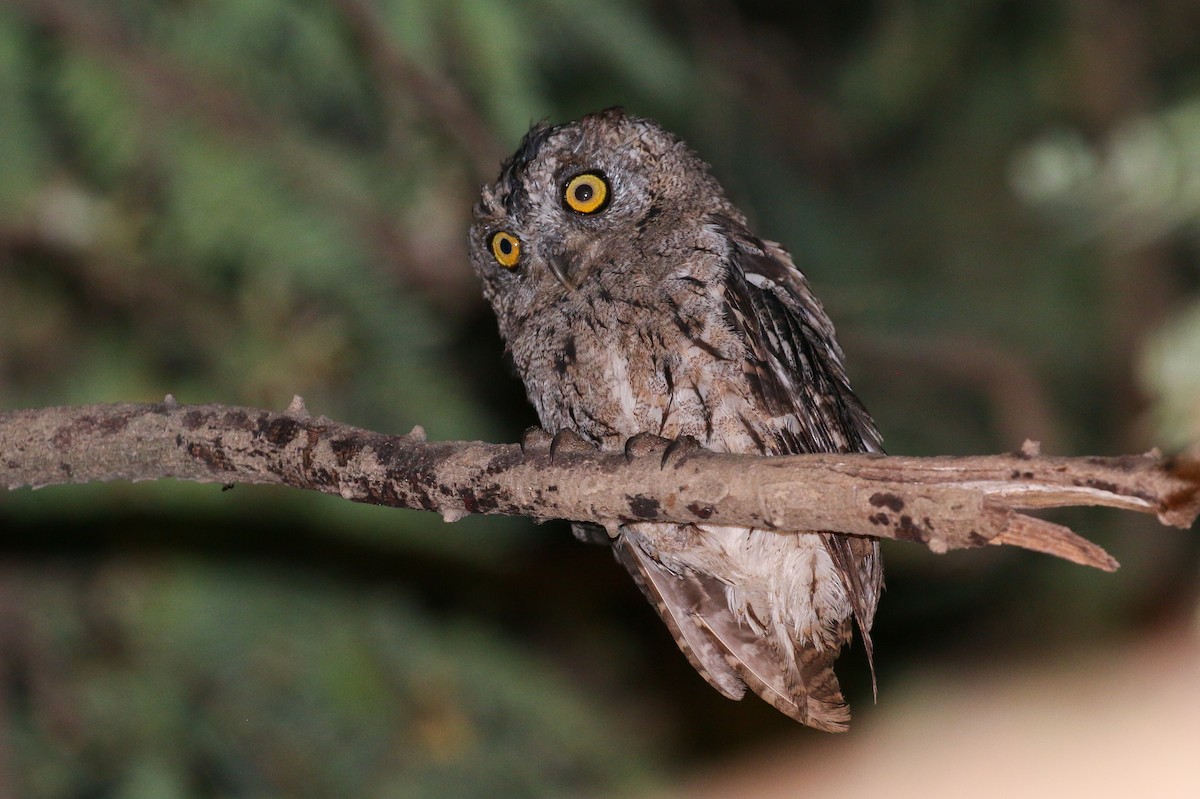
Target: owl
<point>633,298</point>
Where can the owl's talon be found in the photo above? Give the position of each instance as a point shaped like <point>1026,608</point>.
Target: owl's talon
<point>679,449</point>
<point>534,439</point>
<point>567,441</point>
<point>642,444</point>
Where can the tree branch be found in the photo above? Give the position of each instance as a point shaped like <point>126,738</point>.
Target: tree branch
<point>942,502</point>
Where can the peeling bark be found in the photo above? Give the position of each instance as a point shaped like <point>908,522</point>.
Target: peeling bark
<point>942,503</point>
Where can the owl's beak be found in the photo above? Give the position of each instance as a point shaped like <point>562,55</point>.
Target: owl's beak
<point>560,265</point>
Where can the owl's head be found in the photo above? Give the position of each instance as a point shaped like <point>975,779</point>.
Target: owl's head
<point>588,198</point>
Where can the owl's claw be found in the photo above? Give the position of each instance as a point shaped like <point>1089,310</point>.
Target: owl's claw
<point>567,441</point>
<point>534,439</point>
<point>679,449</point>
<point>643,444</point>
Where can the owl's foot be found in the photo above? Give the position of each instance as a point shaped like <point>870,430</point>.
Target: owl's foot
<point>673,450</point>
<point>535,440</point>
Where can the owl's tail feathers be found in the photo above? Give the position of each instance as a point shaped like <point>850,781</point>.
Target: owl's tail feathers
<point>861,569</point>
<point>800,684</point>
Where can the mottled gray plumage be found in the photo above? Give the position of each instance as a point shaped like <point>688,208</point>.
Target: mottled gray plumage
<point>633,298</point>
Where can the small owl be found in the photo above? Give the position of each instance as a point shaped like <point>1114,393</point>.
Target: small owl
<point>633,298</point>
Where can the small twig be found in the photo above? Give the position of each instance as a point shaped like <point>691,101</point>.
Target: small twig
<point>942,502</point>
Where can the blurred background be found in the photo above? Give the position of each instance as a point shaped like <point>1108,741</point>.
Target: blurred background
<point>242,200</point>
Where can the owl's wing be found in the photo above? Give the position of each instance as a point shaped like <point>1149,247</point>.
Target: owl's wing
<point>795,363</point>
<point>730,655</point>
<point>795,367</point>
<point>680,601</point>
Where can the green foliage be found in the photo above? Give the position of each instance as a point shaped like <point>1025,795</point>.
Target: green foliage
<point>189,680</point>
<point>21,150</point>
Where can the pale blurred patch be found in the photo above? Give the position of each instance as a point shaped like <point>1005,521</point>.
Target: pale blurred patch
<point>1139,185</point>
<point>1120,721</point>
<point>1170,373</point>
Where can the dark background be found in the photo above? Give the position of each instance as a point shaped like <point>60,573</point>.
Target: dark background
<point>242,200</point>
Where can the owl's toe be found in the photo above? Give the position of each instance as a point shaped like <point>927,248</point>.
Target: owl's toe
<point>534,440</point>
<point>679,449</point>
<point>643,444</point>
<point>567,441</point>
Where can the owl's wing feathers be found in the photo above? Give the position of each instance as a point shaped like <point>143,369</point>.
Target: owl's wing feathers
<point>680,600</point>
<point>730,655</point>
<point>795,365</point>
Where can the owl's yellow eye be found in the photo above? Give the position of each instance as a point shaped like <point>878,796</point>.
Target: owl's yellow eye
<point>506,249</point>
<point>586,193</point>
